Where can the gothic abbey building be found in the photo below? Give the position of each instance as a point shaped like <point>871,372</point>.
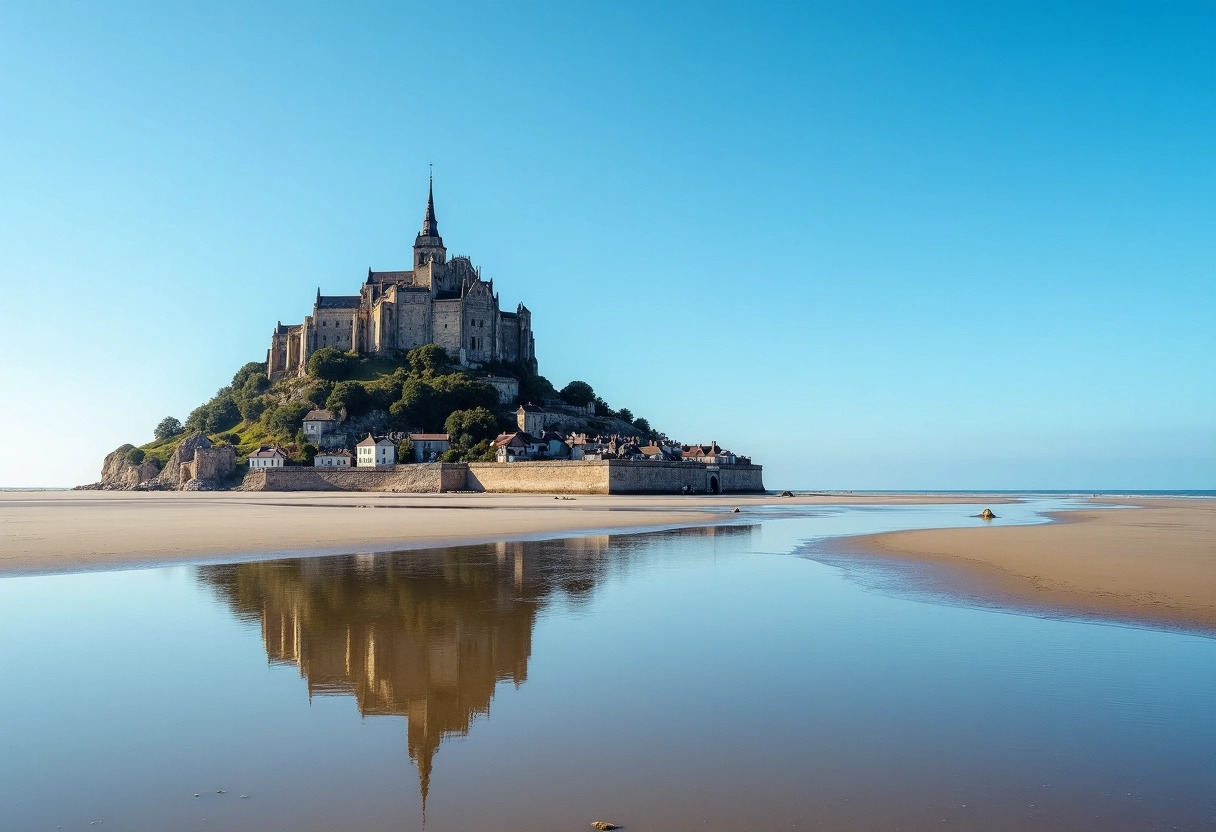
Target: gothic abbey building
<point>439,301</point>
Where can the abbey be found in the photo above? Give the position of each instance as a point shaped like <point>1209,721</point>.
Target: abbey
<point>439,301</point>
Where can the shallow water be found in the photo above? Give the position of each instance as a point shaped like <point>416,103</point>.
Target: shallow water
<point>694,680</point>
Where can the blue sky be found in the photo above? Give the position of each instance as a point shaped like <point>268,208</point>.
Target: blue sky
<point>876,245</point>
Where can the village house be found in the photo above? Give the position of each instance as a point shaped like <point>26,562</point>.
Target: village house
<point>428,446</point>
<point>267,456</point>
<point>710,453</point>
<point>317,423</point>
<point>518,446</point>
<point>375,453</point>
<point>340,458</point>
<point>555,445</point>
<point>531,419</point>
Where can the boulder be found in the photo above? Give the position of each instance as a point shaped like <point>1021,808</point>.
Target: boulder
<point>142,474</point>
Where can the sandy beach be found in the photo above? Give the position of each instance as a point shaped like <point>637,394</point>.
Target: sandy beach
<point>1152,562</point>
<point>66,531</point>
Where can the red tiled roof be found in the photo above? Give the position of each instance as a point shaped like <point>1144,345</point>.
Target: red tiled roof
<point>268,453</point>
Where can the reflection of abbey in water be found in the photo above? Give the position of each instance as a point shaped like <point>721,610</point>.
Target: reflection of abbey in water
<point>425,634</point>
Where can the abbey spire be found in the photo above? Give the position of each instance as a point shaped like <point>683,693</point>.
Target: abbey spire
<point>428,247</point>
<point>430,228</point>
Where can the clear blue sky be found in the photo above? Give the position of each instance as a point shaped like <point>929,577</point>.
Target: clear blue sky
<point>876,245</point>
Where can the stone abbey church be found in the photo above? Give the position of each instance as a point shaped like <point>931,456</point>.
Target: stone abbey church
<point>439,301</point>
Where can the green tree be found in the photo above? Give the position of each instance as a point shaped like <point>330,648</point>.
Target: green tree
<point>309,452</point>
<point>285,419</point>
<point>483,451</point>
<point>577,393</point>
<point>167,428</point>
<point>417,403</point>
<point>426,402</point>
<point>625,415</point>
<point>428,360</point>
<point>535,388</point>
<point>253,368</point>
<point>468,427</point>
<point>349,396</point>
<point>222,414</point>
<point>643,425</point>
<point>405,451</point>
<point>136,456</point>
<point>251,407</point>
<point>331,364</point>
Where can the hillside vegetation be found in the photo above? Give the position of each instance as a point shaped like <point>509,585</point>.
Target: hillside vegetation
<point>423,391</point>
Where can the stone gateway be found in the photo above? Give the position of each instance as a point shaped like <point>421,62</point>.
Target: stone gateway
<point>438,301</point>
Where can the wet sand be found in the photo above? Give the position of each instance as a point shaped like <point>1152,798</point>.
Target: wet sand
<point>1152,562</point>
<point>67,531</point>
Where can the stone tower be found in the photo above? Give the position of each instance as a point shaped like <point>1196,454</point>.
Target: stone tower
<point>428,246</point>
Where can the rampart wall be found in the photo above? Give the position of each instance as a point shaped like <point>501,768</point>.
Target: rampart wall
<point>566,477</point>
<point>539,477</point>
<point>427,478</point>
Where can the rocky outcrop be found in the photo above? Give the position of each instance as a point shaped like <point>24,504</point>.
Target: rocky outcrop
<point>209,468</point>
<point>171,476</point>
<point>195,465</point>
<point>117,474</point>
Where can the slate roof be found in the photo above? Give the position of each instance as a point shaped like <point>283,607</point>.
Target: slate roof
<point>267,453</point>
<point>338,302</point>
<point>340,452</point>
<point>320,416</point>
<point>431,437</point>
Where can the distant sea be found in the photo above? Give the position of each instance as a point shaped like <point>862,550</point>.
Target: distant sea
<point>35,488</point>
<point>1062,492</point>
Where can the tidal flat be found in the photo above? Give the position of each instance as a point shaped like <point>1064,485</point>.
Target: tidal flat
<point>715,677</point>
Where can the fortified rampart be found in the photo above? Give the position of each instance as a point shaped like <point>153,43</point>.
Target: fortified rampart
<point>612,476</point>
<point>427,478</point>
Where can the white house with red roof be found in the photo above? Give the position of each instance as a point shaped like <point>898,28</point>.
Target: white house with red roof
<point>375,453</point>
<point>267,456</point>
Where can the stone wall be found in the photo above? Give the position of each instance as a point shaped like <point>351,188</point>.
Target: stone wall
<point>539,477</point>
<point>653,477</point>
<point>612,477</point>
<point>411,479</point>
<point>558,477</point>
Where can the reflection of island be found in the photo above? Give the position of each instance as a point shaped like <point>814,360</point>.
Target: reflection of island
<point>425,634</point>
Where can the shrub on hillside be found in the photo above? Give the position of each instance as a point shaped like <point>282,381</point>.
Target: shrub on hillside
<point>577,393</point>
<point>468,427</point>
<point>285,419</point>
<point>348,396</point>
<point>427,402</point>
<point>167,428</point>
<point>331,364</point>
<point>253,368</point>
